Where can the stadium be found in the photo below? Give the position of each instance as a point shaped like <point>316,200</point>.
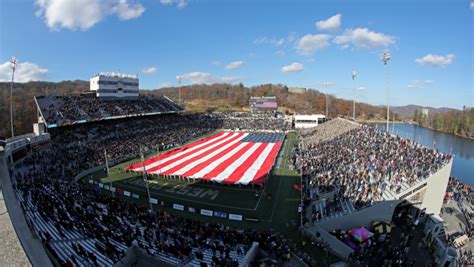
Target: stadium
<point>115,178</point>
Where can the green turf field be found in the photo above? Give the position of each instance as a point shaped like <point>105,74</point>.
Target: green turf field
<point>278,199</point>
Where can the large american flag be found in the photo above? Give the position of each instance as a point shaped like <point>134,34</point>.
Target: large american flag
<point>225,157</point>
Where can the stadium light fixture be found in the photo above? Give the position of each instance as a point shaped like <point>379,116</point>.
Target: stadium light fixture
<point>354,74</point>
<point>13,66</point>
<point>326,85</point>
<point>385,57</point>
<point>178,79</point>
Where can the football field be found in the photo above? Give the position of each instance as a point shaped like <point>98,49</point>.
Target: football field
<point>257,206</point>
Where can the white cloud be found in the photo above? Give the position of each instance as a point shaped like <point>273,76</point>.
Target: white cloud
<point>83,14</point>
<point>179,3</point>
<point>363,37</point>
<point>207,78</point>
<point>471,6</point>
<point>436,60</point>
<point>309,43</point>
<point>234,65</point>
<point>331,24</point>
<point>275,41</point>
<point>149,70</point>
<point>293,67</point>
<point>198,77</point>
<point>420,83</point>
<point>126,11</point>
<point>25,72</point>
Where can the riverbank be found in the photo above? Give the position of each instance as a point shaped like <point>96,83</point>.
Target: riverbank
<point>384,121</point>
<point>417,124</point>
<point>444,131</point>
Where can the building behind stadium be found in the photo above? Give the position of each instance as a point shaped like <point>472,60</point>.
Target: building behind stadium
<point>115,85</point>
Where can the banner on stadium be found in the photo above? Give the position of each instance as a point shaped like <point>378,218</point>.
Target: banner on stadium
<point>191,209</point>
<point>113,189</point>
<point>235,217</point>
<point>206,212</point>
<point>126,193</point>
<point>101,185</point>
<point>135,195</point>
<point>153,200</point>
<point>106,187</point>
<point>250,219</point>
<point>220,214</point>
<point>178,207</point>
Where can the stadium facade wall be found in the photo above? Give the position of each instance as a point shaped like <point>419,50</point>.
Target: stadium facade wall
<point>337,247</point>
<point>436,189</point>
<point>250,255</point>
<point>380,211</point>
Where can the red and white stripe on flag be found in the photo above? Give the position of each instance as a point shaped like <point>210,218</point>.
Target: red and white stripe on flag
<point>226,157</point>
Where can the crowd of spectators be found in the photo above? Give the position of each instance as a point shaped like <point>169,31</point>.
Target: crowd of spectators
<point>325,131</point>
<point>124,138</point>
<point>252,121</point>
<point>66,109</point>
<point>46,179</point>
<point>361,162</point>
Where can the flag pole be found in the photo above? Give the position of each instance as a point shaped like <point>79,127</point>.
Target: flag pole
<point>107,169</point>
<point>145,178</point>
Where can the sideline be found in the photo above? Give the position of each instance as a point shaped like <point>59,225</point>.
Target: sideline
<point>143,190</point>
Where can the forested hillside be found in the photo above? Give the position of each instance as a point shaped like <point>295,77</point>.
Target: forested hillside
<point>237,96</point>
<point>460,122</point>
<point>195,97</point>
<point>24,108</point>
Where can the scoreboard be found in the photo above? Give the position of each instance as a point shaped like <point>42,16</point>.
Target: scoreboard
<point>263,104</point>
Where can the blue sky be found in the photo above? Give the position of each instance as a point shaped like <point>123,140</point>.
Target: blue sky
<point>298,43</point>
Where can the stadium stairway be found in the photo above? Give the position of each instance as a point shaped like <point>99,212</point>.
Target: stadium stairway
<point>404,187</point>
<point>62,240</point>
<point>347,208</point>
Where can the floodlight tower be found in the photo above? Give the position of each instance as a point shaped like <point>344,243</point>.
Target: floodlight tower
<point>178,79</point>
<point>326,85</point>
<point>13,65</point>
<point>354,74</point>
<point>385,57</point>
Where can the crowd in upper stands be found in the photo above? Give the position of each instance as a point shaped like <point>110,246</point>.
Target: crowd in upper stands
<point>252,121</point>
<point>66,109</point>
<point>45,184</point>
<point>360,163</point>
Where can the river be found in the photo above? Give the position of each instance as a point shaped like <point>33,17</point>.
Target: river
<point>461,148</point>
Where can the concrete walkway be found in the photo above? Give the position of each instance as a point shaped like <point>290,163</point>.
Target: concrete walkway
<point>18,246</point>
<point>455,222</point>
<point>11,251</point>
